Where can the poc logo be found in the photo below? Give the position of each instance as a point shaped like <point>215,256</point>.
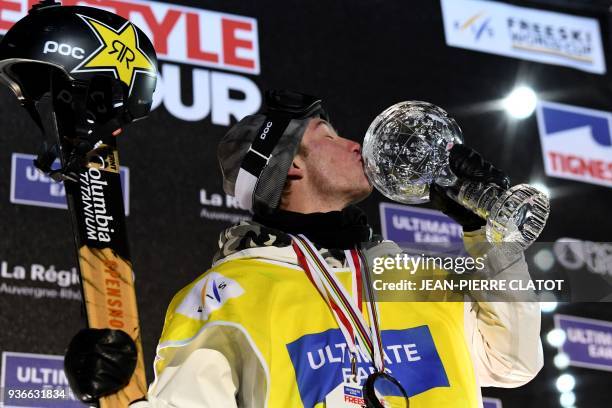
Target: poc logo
<point>264,133</point>
<point>52,47</point>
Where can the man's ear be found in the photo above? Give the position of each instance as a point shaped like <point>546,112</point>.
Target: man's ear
<point>295,171</point>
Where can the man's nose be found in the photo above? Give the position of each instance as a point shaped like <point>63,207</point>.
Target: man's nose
<point>354,147</point>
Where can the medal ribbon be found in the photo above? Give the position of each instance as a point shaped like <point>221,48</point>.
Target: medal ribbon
<point>348,314</point>
<point>372,310</point>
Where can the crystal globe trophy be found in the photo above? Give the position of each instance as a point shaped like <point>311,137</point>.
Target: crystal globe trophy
<point>406,148</point>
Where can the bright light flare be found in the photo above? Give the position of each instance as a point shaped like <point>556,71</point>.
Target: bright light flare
<point>545,260</point>
<point>556,337</point>
<point>548,307</point>
<point>567,399</point>
<point>521,102</point>
<point>565,383</point>
<point>561,361</point>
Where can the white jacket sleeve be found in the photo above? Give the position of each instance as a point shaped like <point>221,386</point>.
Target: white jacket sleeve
<point>504,337</point>
<point>204,379</point>
<point>218,368</point>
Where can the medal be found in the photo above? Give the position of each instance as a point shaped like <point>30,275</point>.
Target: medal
<point>380,389</point>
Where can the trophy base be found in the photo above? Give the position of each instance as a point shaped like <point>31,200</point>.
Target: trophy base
<point>518,216</point>
<point>410,194</point>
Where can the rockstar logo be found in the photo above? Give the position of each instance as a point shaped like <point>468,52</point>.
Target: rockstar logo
<point>119,52</point>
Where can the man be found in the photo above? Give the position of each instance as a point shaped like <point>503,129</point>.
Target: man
<point>258,328</point>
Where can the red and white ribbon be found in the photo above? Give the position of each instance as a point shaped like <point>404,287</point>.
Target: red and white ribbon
<point>346,309</point>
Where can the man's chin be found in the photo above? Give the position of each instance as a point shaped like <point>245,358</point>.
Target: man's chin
<point>362,194</point>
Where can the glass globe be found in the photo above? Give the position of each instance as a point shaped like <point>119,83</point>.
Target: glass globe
<point>406,149</point>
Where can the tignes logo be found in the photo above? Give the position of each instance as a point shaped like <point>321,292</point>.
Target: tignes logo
<point>119,52</point>
<point>478,24</point>
<point>576,142</point>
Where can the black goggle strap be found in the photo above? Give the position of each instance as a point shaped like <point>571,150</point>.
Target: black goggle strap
<point>296,104</point>
<point>49,150</point>
<point>47,154</point>
<point>258,156</point>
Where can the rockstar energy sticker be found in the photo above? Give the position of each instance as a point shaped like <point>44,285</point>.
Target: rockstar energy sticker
<point>119,52</point>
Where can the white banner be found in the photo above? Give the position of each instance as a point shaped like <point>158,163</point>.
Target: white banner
<point>524,33</point>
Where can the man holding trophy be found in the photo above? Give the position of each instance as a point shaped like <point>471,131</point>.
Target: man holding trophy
<point>287,316</point>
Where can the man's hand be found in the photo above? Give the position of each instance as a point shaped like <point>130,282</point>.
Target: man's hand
<point>99,362</point>
<point>467,164</point>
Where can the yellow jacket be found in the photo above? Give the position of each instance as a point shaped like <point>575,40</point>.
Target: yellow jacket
<point>253,331</point>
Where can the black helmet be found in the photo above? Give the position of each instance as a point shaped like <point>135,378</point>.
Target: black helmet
<point>82,43</point>
<point>256,153</point>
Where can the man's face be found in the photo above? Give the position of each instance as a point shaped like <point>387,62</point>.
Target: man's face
<point>332,163</point>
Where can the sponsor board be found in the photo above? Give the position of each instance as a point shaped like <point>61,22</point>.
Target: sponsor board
<point>35,381</point>
<point>410,225</point>
<point>576,143</point>
<point>524,33</point>
<point>322,361</point>
<point>214,202</point>
<point>586,268</point>
<point>30,186</point>
<point>208,41</point>
<point>491,403</point>
<point>39,281</point>
<point>588,342</point>
<point>575,254</point>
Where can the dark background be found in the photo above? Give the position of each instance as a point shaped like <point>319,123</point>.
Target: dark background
<point>360,57</point>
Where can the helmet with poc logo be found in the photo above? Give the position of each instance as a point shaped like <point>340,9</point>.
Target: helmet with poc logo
<point>81,43</point>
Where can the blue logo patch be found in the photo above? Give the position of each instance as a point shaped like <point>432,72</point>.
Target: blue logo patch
<point>321,361</point>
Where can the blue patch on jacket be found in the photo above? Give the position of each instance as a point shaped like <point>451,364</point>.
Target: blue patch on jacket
<point>322,360</point>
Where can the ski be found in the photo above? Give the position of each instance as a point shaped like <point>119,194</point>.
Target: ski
<point>91,174</point>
